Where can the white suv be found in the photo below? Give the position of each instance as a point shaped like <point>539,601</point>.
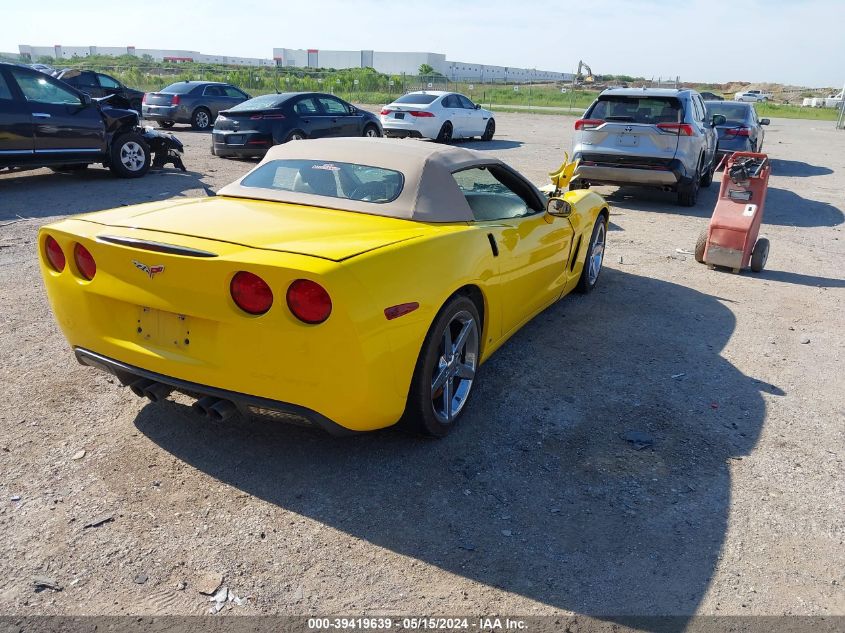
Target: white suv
<point>647,136</point>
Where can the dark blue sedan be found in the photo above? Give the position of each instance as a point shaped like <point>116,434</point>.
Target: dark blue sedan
<point>254,126</point>
<point>742,130</point>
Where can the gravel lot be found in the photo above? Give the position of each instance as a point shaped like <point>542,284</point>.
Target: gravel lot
<point>536,505</point>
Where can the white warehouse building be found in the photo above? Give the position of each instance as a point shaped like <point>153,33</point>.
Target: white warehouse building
<point>394,63</point>
<point>59,52</point>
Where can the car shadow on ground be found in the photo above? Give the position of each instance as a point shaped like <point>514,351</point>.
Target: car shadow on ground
<point>801,280</point>
<point>69,193</point>
<point>538,492</point>
<point>494,144</point>
<point>783,207</point>
<point>797,168</point>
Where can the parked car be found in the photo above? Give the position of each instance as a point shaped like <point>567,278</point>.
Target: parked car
<point>102,85</point>
<point>711,96</point>
<point>46,123</point>
<point>752,95</point>
<point>252,127</point>
<point>194,102</point>
<point>742,130</point>
<point>345,282</point>
<point>438,115</point>
<point>647,136</point>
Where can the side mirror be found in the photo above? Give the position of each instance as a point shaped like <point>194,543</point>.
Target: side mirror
<point>477,106</point>
<point>85,98</point>
<point>718,119</point>
<point>764,121</point>
<point>558,207</point>
<point>353,110</point>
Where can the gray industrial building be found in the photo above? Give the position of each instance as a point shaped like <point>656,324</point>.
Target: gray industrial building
<point>392,63</point>
<point>395,63</point>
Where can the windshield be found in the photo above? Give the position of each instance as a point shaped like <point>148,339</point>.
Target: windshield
<point>735,113</point>
<point>179,88</point>
<point>417,98</point>
<point>260,103</point>
<point>332,179</point>
<point>644,109</point>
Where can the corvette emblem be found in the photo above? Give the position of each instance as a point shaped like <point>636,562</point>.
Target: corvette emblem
<point>152,271</point>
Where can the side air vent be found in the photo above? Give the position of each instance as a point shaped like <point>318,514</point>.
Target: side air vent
<point>157,247</point>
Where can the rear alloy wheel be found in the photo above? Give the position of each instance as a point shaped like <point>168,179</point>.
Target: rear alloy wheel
<point>130,156</point>
<point>759,255</point>
<point>445,134</point>
<point>372,131</point>
<point>445,370</point>
<point>594,258</point>
<point>688,194</point>
<point>489,131</point>
<point>166,124</point>
<point>201,120</point>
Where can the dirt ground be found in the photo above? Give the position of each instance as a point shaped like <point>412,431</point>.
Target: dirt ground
<point>535,505</point>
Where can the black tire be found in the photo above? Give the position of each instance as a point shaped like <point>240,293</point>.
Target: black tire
<point>688,194</point>
<point>166,124</point>
<point>420,416</point>
<point>489,131</point>
<point>701,245</point>
<point>445,133</point>
<point>707,178</point>
<point>372,131</point>
<point>69,169</point>
<point>129,156</point>
<point>578,184</point>
<point>588,281</point>
<point>759,255</point>
<point>295,135</point>
<point>201,119</point>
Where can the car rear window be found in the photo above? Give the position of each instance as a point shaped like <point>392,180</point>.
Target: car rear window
<point>259,103</point>
<point>417,98</point>
<point>735,113</point>
<point>350,181</point>
<point>179,88</point>
<point>632,109</point>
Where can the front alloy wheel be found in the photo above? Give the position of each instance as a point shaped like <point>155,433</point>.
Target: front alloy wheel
<point>595,256</point>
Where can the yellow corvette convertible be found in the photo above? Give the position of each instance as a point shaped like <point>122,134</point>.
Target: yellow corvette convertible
<point>343,283</point>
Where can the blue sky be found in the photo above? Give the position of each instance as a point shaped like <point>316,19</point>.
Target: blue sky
<point>717,41</point>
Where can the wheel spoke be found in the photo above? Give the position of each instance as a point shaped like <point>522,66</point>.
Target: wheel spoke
<point>466,371</point>
<point>440,379</point>
<point>461,341</point>
<point>447,398</point>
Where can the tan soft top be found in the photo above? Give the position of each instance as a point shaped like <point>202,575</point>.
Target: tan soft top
<point>430,193</point>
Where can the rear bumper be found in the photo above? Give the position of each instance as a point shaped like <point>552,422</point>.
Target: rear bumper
<point>603,169</point>
<point>165,113</point>
<point>401,133</point>
<point>231,143</point>
<point>246,404</point>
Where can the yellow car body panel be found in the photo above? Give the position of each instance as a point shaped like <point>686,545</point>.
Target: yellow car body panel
<point>354,369</point>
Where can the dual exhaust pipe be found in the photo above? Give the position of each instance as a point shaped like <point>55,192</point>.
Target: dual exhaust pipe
<point>215,408</point>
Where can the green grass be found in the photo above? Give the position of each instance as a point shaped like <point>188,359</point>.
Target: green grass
<point>775,110</point>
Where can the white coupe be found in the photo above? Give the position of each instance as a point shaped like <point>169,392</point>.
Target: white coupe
<point>437,115</point>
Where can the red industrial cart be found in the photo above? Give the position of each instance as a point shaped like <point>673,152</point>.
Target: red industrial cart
<point>731,239</point>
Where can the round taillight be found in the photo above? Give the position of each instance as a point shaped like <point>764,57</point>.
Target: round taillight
<point>54,254</point>
<point>251,293</point>
<point>85,263</point>
<point>309,301</point>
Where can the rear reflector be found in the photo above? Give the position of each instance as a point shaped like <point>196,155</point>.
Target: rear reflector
<point>144,98</point>
<point>680,129</point>
<point>738,131</point>
<point>54,254</point>
<point>385,112</point>
<point>588,124</point>
<point>394,312</point>
<point>420,113</point>
<point>309,302</point>
<point>85,263</point>
<point>251,293</point>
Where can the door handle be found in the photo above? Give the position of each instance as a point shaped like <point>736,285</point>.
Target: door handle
<point>41,115</point>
